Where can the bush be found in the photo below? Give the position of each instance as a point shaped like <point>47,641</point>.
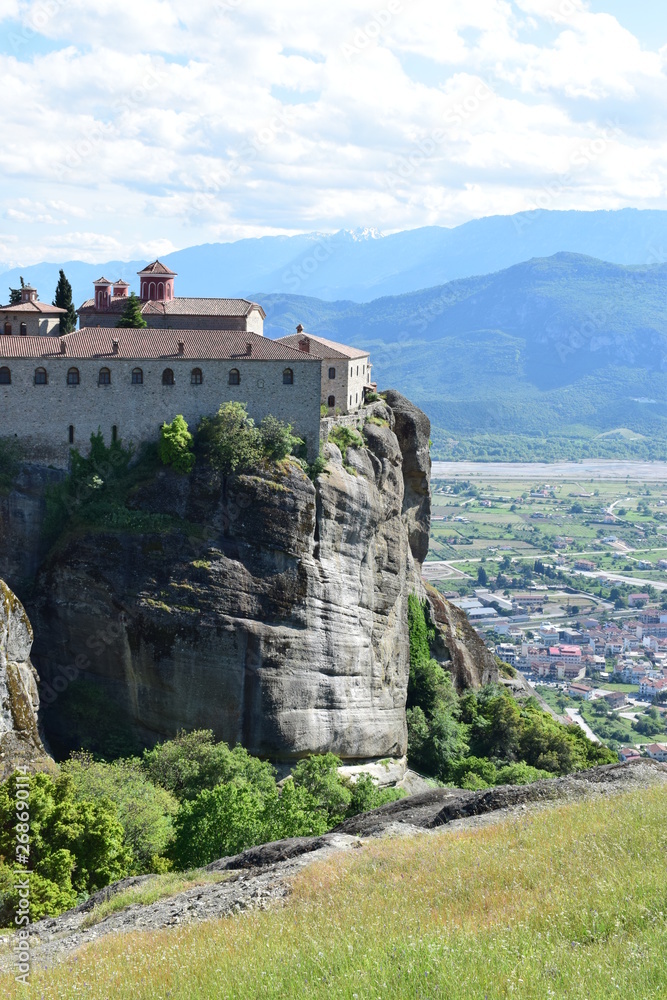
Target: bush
<point>344,438</point>
<point>144,810</point>
<point>231,442</point>
<point>175,447</point>
<point>194,762</point>
<point>277,440</point>
<point>76,845</point>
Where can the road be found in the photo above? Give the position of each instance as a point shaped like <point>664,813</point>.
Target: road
<point>576,717</point>
<point>634,580</point>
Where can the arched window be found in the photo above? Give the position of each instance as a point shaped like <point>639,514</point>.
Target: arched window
<point>8,329</point>
<point>235,377</point>
<point>288,376</point>
<point>24,329</point>
<point>196,377</point>
<point>331,402</point>
<point>73,376</point>
<point>104,377</point>
<point>160,290</point>
<point>5,376</point>
<point>41,377</point>
<point>137,376</point>
<point>167,377</point>
<point>151,290</point>
<point>332,373</point>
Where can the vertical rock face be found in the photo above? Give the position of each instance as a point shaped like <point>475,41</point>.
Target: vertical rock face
<point>276,615</point>
<point>19,701</point>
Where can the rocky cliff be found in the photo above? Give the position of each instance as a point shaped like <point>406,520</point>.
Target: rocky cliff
<point>272,609</point>
<point>20,743</point>
<point>274,613</point>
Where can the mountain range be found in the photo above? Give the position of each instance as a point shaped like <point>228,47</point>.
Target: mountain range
<point>363,265</point>
<point>566,346</point>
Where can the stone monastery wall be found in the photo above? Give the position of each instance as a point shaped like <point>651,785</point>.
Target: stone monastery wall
<point>41,416</point>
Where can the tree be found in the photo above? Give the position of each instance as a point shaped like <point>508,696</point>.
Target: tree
<point>277,439</point>
<point>175,447</point>
<point>230,440</point>
<point>144,810</point>
<point>63,299</point>
<point>482,577</point>
<point>15,294</point>
<point>132,318</point>
<point>193,762</point>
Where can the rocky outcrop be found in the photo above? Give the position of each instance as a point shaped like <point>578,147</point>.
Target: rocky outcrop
<point>20,743</point>
<point>273,611</point>
<point>458,647</point>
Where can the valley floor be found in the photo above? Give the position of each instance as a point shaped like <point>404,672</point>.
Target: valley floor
<point>564,901</point>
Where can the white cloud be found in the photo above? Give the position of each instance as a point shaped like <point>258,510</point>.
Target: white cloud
<point>168,123</point>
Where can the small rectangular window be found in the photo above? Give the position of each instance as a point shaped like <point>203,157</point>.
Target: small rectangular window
<point>24,329</point>
<point>114,433</point>
<point>71,434</point>
<point>8,329</point>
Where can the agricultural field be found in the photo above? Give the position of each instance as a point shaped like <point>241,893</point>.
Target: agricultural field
<point>620,528</point>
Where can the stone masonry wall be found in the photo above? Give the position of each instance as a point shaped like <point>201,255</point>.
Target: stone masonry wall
<point>37,325</point>
<point>40,415</point>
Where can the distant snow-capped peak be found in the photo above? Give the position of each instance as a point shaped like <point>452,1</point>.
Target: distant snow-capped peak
<point>363,233</point>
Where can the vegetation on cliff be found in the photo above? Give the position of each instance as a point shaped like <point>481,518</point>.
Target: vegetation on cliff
<point>564,902</point>
<point>483,737</point>
<point>185,803</point>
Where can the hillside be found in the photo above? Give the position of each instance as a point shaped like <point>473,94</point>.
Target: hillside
<point>565,900</point>
<point>568,345</point>
<point>363,265</point>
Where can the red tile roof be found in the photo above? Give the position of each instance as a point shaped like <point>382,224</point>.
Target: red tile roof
<point>157,267</point>
<point>201,345</point>
<point>322,348</point>
<point>180,306</point>
<point>34,307</point>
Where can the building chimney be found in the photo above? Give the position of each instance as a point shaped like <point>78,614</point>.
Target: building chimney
<point>115,346</point>
<point>181,347</point>
<point>248,348</point>
<point>304,344</point>
<point>63,347</point>
<point>299,328</point>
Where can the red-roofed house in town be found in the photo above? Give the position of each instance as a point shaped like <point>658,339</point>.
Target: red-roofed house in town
<point>657,751</point>
<point>629,753</point>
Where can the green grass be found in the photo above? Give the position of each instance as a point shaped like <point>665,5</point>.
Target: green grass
<point>566,903</point>
<point>626,688</point>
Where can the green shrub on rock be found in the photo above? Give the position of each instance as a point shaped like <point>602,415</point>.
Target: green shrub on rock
<point>175,447</point>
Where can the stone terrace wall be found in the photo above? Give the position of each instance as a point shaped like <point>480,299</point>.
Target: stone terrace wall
<point>40,415</point>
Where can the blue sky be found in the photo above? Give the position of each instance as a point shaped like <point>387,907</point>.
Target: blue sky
<point>131,129</point>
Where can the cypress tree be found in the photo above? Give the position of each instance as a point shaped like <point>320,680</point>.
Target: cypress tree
<point>15,295</point>
<point>63,300</point>
<point>132,317</point>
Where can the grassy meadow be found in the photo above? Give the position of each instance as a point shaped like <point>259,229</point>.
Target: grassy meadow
<point>569,902</point>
